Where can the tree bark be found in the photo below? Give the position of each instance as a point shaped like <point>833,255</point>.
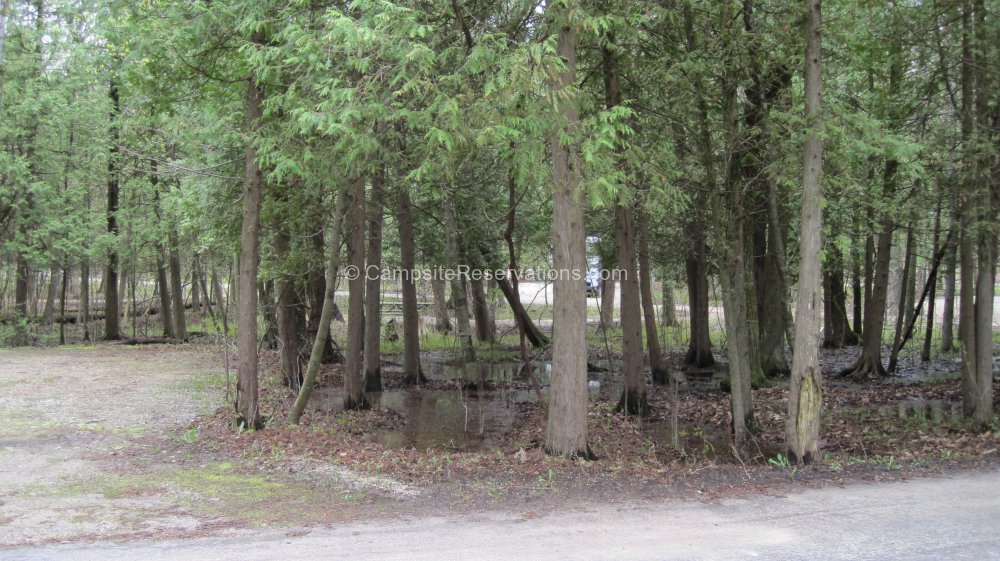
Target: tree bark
<point>699,352</point>
<point>354,379</point>
<point>805,392</point>
<point>247,405</point>
<point>903,310</point>
<point>111,296</point>
<point>837,331</point>
<point>373,287</point>
<point>289,308</point>
<point>669,314</point>
<point>566,427</point>
<point>48,312</point>
<point>459,296</point>
<point>412,371</point>
<point>948,307</point>
<point>177,288</point>
<point>733,269</point>
<point>486,329</point>
<point>442,322</point>
<point>161,281</point>
<point>85,297</point>
<point>657,366</point>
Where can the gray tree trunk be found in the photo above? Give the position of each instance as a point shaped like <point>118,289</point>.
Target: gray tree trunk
<point>373,287</point>
<point>247,396</point>
<point>566,427</point>
<point>805,392</point>
<point>354,379</point>
<point>412,371</point>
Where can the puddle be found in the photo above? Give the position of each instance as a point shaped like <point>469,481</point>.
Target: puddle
<point>473,408</point>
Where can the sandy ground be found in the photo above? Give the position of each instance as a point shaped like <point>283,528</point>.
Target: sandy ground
<point>61,410</point>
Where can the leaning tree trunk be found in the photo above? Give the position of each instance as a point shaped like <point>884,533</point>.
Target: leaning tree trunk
<point>805,392</point>
<point>566,427</point>
<point>317,297</point>
<point>323,327</point>
<point>247,405</point>
<point>354,379</point>
<point>373,288</point>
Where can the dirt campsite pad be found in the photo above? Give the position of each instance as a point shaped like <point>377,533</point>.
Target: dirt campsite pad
<point>92,446</point>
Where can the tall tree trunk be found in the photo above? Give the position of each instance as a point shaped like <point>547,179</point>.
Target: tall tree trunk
<point>669,314</point>
<point>373,287</point>
<point>48,312</point>
<point>486,329</point>
<point>220,296</point>
<point>857,292</point>
<point>699,352</point>
<point>161,269</point>
<point>733,268</point>
<point>837,331</point>
<point>177,288</point>
<point>982,193</point>
<point>903,310</point>
<point>459,296</point>
<point>85,297</point>
<point>412,371</point>
<point>161,282</point>
<point>566,428</point>
<point>111,296</point>
<point>62,305</point>
<point>289,309</point>
<point>657,368</point>
<point>442,322</point>
<point>22,273</point>
<point>247,405</point>
<point>805,391</point>
<point>633,399</point>
<point>323,327</point>
<point>948,306</point>
<point>354,378</point>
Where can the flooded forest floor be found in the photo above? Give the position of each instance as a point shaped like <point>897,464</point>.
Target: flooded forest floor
<point>473,437</point>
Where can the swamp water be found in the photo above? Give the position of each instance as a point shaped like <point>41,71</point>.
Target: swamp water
<point>475,407</point>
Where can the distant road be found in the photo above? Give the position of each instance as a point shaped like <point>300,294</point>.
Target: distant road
<point>928,519</point>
